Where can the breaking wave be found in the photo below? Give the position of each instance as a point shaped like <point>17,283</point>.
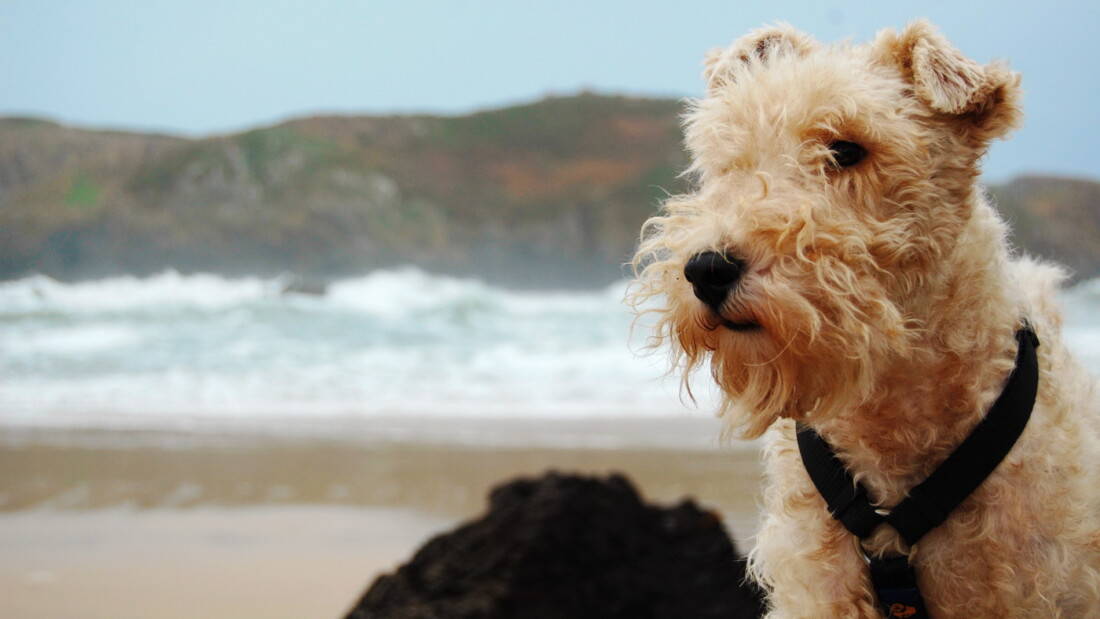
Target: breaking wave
<point>157,350</point>
<point>393,342</point>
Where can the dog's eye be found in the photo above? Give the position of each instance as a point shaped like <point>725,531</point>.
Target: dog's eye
<point>846,154</point>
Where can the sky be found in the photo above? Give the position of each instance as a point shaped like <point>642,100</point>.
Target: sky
<point>200,67</point>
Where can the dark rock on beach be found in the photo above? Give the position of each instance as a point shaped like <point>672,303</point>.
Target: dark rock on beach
<point>571,547</point>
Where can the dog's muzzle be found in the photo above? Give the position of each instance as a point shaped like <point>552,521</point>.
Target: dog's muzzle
<point>713,276</point>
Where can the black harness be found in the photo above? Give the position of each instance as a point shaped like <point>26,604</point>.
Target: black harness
<point>929,503</point>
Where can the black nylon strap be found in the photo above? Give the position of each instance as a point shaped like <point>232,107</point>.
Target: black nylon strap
<point>846,499</point>
<point>930,502</point>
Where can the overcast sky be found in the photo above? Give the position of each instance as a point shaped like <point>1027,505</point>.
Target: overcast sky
<point>197,67</point>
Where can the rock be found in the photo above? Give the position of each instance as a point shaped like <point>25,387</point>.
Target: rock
<point>570,547</point>
<point>296,284</point>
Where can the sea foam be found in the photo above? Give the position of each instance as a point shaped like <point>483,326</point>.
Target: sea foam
<point>394,342</point>
<point>161,350</point>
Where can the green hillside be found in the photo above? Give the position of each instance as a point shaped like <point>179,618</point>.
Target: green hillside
<point>546,194</point>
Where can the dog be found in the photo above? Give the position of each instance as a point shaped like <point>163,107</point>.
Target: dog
<point>841,270</point>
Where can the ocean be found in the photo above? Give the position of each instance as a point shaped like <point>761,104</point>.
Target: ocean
<point>171,351</point>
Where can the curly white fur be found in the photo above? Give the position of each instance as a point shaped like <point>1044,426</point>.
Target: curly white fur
<point>888,302</point>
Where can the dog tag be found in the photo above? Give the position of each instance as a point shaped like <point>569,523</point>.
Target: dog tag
<point>905,603</point>
<point>895,584</point>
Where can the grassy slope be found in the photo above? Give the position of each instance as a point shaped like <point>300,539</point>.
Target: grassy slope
<point>546,193</point>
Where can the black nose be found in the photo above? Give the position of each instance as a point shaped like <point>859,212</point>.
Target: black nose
<point>713,275</point>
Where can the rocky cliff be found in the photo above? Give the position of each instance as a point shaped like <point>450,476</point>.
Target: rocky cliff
<point>1057,218</point>
<point>546,194</point>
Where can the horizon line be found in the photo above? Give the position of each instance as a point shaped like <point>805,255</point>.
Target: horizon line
<point>480,108</point>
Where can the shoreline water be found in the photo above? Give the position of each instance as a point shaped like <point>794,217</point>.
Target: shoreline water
<point>683,430</point>
<point>175,350</point>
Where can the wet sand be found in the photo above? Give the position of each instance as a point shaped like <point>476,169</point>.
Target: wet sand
<point>278,562</point>
<point>173,524</point>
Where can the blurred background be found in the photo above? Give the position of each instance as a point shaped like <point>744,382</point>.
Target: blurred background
<point>287,286</point>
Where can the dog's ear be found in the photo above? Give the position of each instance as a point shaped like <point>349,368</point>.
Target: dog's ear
<point>986,98</point>
<point>757,47</point>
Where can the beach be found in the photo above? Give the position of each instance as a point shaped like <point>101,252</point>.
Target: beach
<point>246,523</point>
<point>185,445</point>
<point>286,561</point>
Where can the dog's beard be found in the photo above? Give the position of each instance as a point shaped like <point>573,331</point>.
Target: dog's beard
<point>757,371</point>
<point>826,332</point>
<point>808,360</point>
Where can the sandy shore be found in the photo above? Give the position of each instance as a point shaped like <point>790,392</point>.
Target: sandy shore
<point>171,524</point>
<point>278,562</point>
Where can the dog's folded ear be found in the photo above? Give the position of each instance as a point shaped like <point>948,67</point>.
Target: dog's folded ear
<point>759,46</point>
<point>985,97</point>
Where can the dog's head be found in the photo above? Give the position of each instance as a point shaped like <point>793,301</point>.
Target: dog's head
<point>833,184</point>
